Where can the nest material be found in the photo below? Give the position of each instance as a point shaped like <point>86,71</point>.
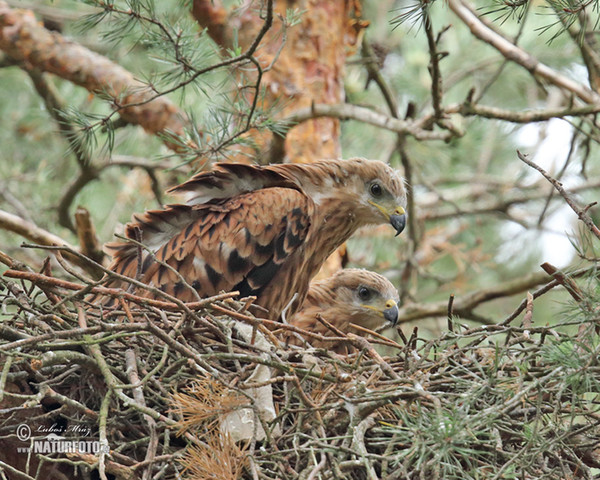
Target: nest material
<point>159,382</point>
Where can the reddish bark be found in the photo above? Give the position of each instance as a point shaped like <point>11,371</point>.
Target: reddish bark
<point>210,14</point>
<point>309,69</point>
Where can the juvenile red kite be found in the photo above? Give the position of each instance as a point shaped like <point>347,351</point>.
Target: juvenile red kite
<point>262,231</point>
<point>350,296</point>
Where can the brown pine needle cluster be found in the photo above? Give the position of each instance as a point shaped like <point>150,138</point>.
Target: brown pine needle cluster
<point>220,458</point>
<point>203,404</point>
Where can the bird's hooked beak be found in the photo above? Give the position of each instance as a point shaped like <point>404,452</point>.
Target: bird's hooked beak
<point>397,218</point>
<point>391,312</point>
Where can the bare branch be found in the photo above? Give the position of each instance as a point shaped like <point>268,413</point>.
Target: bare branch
<point>528,116</point>
<point>466,303</point>
<point>346,111</point>
<point>86,232</point>
<point>518,55</point>
<point>434,65</point>
<point>32,232</point>
<point>581,213</point>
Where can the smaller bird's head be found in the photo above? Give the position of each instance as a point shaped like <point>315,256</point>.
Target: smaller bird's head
<point>370,300</point>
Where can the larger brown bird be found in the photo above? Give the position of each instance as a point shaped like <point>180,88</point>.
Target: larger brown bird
<point>262,231</point>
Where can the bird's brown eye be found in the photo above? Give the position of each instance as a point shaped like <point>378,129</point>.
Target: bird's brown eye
<point>364,293</point>
<point>376,190</point>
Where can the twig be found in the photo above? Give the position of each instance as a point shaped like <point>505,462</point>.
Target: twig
<point>528,312</point>
<point>138,394</point>
<point>570,285</point>
<point>581,213</point>
<point>519,56</point>
<point>468,108</point>
<point>467,302</point>
<point>434,65</point>
<point>450,312</point>
<point>116,292</point>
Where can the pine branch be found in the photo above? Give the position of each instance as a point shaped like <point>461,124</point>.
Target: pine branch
<point>25,41</point>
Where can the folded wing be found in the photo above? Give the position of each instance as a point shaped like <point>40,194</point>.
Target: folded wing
<point>239,243</point>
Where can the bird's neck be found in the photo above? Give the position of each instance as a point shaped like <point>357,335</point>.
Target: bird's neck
<point>334,222</point>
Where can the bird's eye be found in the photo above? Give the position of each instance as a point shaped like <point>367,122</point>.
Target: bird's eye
<point>376,190</point>
<point>364,293</point>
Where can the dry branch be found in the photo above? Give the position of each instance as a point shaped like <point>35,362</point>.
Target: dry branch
<point>28,230</point>
<point>346,111</point>
<point>86,233</point>
<point>463,305</point>
<point>515,54</point>
<point>32,232</point>
<point>581,213</point>
<point>528,116</point>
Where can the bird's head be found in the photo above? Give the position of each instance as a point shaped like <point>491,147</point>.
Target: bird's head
<point>368,299</point>
<point>384,193</point>
<point>377,191</point>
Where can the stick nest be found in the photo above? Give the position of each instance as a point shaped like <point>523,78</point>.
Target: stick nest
<point>156,382</point>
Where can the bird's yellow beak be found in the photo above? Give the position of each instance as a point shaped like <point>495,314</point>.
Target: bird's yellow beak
<point>397,218</point>
<point>390,312</point>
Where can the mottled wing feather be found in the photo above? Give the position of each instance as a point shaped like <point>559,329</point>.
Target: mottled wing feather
<point>239,244</point>
<point>227,180</point>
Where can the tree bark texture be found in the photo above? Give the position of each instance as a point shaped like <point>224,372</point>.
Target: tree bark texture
<point>309,66</point>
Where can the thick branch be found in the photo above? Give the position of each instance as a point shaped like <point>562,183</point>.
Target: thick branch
<point>28,230</point>
<point>23,39</point>
<point>519,56</point>
<point>32,232</point>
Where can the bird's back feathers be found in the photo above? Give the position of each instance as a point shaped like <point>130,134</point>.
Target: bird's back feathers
<point>236,244</point>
